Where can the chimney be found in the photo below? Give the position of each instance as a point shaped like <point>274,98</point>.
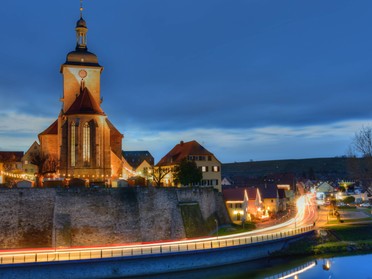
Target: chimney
<point>181,142</point>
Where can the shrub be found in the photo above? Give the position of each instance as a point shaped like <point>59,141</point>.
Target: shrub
<point>349,199</point>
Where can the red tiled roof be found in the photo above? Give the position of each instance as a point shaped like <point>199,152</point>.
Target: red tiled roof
<point>135,158</point>
<point>268,191</point>
<point>181,151</point>
<point>51,130</point>
<point>85,104</point>
<point>237,194</point>
<point>252,193</point>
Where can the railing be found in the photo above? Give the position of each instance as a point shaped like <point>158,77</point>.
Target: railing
<point>294,271</point>
<point>150,249</point>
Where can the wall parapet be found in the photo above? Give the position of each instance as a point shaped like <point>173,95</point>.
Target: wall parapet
<point>149,259</point>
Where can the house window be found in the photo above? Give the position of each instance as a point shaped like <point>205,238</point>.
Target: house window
<point>272,201</point>
<point>86,143</point>
<point>204,168</point>
<point>215,168</point>
<point>191,158</point>
<point>209,158</point>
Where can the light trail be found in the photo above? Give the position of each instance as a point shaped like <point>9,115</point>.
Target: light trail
<point>305,215</point>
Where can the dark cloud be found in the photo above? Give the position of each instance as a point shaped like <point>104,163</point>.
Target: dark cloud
<point>185,65</point>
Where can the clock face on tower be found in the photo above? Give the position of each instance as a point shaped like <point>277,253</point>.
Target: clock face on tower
<point>83,73</point>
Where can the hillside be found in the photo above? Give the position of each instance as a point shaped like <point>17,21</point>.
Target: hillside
<point>321,168</point>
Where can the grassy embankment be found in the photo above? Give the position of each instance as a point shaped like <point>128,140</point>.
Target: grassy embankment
<point>233,229</point>
<point>334,239</point>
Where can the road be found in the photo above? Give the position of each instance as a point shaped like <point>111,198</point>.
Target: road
<point>305,216</point>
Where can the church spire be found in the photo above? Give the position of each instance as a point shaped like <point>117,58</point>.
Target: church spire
<point>81,9</point>
<point>81,31</point>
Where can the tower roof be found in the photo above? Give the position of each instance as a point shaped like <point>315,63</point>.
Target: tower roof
<point>81,23</point>
<point>81,57</point>
<point>85,104</point>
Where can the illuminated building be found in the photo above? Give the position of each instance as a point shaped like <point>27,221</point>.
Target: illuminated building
<point>138,163</point>
<point>83,142</point>
<point>192,151</point>
<point>10,164</point>
<point>234,199</point>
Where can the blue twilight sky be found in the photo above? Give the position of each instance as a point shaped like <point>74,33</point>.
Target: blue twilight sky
<point>248,79</point>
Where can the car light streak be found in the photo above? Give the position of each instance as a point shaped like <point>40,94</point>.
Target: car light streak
<point>304,216</point>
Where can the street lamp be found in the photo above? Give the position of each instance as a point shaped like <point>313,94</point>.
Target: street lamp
<point>215,220</point>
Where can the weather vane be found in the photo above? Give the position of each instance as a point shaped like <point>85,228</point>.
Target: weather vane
<point>81,8</point>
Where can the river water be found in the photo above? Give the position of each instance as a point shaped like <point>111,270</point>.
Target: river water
<point>354,267</point>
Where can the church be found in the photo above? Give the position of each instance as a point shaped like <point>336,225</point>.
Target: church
<point>82,141</point>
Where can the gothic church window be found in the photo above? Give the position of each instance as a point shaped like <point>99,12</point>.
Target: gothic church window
<point>98,148</point>
<point>73,144</point>
<point>86,144</point>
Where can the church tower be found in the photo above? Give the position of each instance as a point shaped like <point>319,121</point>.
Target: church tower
<point>81,69</point>
<point>86,143</point>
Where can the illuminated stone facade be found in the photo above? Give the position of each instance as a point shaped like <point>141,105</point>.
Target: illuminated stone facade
<point>83,142</point>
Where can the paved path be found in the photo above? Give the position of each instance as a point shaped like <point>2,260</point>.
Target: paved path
<point>347,215</point>
<point>325,219</point>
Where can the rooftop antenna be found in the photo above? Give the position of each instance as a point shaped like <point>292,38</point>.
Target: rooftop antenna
<point>81,9</point>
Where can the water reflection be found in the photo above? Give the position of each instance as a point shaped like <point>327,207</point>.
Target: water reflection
<point>253,269</point>
<point>327,264</point>
<point>294,272</point>
<point>306,268</point>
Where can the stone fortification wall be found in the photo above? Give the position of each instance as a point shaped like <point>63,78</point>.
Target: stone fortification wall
<point>78,217</point>
<point>26,217</point>
<point>210,202</point>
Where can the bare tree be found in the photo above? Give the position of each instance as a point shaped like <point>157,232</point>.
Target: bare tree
<point>360,155</point>
<point>362,142</point>
<point>158,173</point>
<point>45,164</point>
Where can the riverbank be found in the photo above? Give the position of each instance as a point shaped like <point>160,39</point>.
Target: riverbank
<point>356,238</point>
